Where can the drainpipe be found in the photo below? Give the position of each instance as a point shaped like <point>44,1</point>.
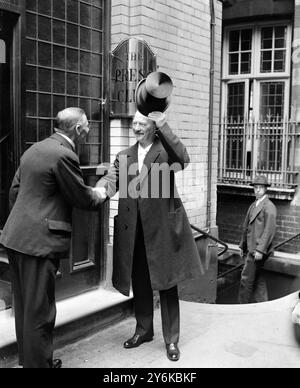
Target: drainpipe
<point>211,111</point>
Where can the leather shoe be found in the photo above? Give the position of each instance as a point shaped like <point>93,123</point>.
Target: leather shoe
<point>173,352</point>
<point>56,364</point>
<point>136,341</point>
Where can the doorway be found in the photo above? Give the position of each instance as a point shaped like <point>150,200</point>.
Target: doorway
<point>7,157</point>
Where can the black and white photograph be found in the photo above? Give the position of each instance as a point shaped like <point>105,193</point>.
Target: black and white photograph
<point>149,187</point>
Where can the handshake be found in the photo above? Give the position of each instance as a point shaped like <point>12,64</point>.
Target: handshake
<point>100,192</point>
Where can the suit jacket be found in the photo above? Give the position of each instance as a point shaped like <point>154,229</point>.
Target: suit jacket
<point>260,228</point>
<point>171,251</point>
<point>47,185</point>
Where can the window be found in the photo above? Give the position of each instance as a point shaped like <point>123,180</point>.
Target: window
<point>273,49</point>
<point>64,65</point>
<point>256,135</point>
<point>240,46</point>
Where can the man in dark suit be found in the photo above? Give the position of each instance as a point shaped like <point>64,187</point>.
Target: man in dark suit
<point>153,243</point>
<point>257,244</point>
<point>47,185</point>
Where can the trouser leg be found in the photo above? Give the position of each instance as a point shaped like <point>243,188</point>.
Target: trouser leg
<point>37,278</point>
<point>261,290</point>
<point>170,315</point>
<point>248,280</point>
<point>142,289</point>
<point>18,302</point>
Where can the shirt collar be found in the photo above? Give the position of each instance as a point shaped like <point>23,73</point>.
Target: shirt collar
<point>259,201</point>
<point>68,139</point>
<point>144,150</point>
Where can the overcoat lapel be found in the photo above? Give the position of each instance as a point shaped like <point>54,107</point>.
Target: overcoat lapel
<point>256,211</point>
<point>151,158</point>
<point>132,158</point>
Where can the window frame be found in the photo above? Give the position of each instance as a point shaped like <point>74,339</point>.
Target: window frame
<point>256,44</point>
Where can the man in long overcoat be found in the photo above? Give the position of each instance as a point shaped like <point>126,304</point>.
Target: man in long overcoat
<point>46,187</point>
<point>257,244</point>
<point>153,242</point>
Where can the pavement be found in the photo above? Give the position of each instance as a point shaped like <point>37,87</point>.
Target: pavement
<point>212,336</point>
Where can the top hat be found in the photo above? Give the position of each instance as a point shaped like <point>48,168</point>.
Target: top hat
<point>153,94</point>
<point>261,180</point>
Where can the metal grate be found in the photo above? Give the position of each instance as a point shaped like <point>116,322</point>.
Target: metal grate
<point>64,67</point>
<point>259,147</point>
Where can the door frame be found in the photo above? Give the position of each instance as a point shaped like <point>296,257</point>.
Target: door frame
<point>17,96</point>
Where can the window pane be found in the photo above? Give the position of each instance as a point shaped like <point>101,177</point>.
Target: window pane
<point>272,100</point>
<point>31,78</point>
<point>31,104</point>
<point>72,84</point>
<point>58,104</point>
<point>44,28</point>
<point>85,39</point>
<point>45,129</point>
<point>246,44</point>
<point>72,11</point>
<point>58,82</point>
<point>85,104</point>
<point>96,110</point>
<point>96,64</point>
<point>59,57</point>
<point>234,64</point>
<point>44,105</point>
<point>97,42</point>
<point>59,32</point>
<point>85,62</point>
<point>44,7</point>
<point>85,15</point>
<point>31,130</point>
<point>97,18</point>
<point>266,63</point>
<point>85,86</point>
<point>44,54</point>
<point>236,101</point>
<point>96,87</point>
<point>31,52</point>
<point>59,9</point>
<point>280,60</point>
<point>234,41</point>
<point>31,25</point>
<point>45,80</point>
<point>72,35</point>
<point>31,5</point>
<point>267,38</point>
<point>72,101</point>
<point>246,63</point>
<point>72,60</point>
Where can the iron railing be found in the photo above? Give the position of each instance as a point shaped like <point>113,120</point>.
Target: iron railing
<point>240,266</point>
<point>250,148</point>
<point>219,242</point>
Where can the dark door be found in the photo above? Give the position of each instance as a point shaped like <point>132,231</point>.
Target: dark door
<point>7,157</point>
<point>65,63</point>
<point>6,130</point>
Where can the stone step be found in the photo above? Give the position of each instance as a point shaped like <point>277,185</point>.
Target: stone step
<point>77,317</point>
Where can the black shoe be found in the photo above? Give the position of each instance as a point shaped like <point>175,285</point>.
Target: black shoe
<point>136,341</point>
<point>173,352</point>
<point>56,364</point>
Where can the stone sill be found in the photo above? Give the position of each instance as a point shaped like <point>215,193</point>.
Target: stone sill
<point>68,311</point>
<point>283,194</point>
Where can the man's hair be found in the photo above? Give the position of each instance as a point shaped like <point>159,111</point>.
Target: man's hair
<point>68,118</point>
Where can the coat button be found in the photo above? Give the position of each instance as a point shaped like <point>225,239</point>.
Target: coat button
<point>128,209</point>
<point>126,227</point>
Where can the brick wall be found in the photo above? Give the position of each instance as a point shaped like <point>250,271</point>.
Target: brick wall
<point>232,211</point>
<point>178,31</point>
